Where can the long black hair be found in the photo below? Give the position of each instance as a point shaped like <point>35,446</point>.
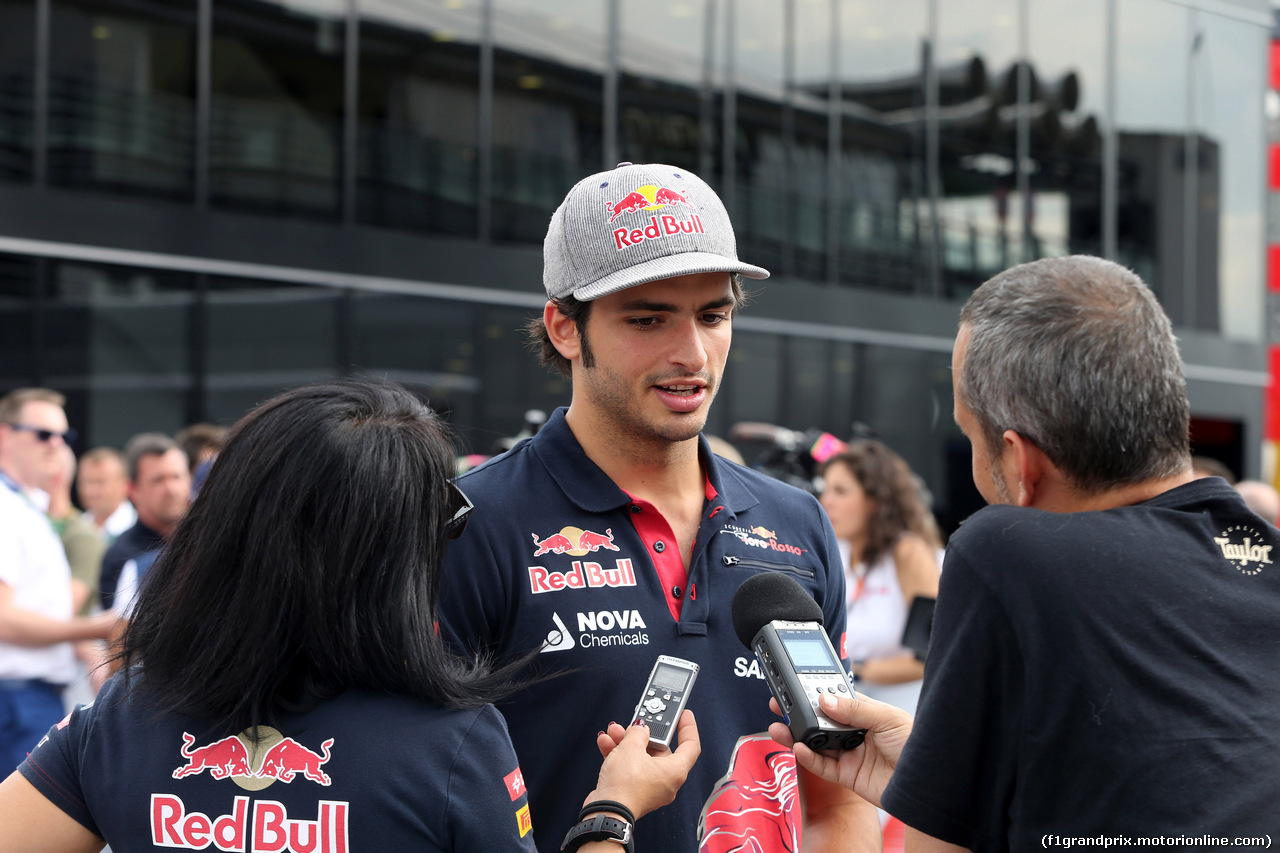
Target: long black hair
<point>311,562</point>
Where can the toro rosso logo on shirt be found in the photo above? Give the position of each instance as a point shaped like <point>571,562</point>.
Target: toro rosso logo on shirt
<point>582,574</point>
<point>761,537</point>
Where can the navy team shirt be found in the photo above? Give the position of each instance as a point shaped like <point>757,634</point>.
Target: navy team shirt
<point>361,772</point>
<point>557,554</point>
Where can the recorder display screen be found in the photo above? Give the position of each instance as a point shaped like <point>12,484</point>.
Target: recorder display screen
<point>671,678</point>
<point>808,652</point>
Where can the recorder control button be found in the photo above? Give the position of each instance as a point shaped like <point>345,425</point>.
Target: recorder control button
<point>655,705</point>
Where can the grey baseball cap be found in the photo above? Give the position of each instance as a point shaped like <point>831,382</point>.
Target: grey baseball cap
<point>635,224</point>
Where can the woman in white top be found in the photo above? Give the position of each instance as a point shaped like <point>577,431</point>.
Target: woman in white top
<point>876,510</point>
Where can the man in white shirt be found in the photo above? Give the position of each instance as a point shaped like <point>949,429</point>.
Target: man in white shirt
<point>36,622</point>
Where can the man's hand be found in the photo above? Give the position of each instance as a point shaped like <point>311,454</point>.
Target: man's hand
<point>865,770</point>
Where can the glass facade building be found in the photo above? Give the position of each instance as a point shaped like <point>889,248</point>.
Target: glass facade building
<point>205,201</point>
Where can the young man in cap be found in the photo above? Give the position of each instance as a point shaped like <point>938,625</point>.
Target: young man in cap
<point>615,535</point>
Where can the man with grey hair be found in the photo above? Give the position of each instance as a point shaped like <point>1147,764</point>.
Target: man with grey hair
<point>1104,666</point>
<point>1104,660</point>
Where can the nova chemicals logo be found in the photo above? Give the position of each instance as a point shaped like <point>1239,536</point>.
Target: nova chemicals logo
<point>598,629</point>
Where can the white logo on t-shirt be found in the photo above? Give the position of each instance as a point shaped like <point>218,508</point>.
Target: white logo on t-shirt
<point>559,639</point>
<point>1245,548</point>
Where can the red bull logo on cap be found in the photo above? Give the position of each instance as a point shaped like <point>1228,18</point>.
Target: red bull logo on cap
<point>650,197</point>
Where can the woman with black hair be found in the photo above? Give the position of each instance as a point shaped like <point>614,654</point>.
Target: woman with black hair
<point>283,686</point>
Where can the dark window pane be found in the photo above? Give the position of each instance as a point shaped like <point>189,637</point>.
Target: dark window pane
<point>122,97</point>
<point>547,106</point>
<point>17,341</point>
<point>419,85</point>
<point>17,91</point>
<point>277,106</point>
<point>117,341</point>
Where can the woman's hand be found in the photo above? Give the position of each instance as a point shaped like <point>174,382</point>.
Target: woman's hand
<point>640,780</point>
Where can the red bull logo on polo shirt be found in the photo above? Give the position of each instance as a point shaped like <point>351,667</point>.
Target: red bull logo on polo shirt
<point>646,198</point>
<point>582,574</point>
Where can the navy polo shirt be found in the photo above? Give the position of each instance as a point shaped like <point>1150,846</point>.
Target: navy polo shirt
<point>553,556</point>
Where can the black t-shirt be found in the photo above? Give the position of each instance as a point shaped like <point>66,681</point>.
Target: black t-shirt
<point>131,543</point>
<point>1102,673</point>
<point>360,772</point>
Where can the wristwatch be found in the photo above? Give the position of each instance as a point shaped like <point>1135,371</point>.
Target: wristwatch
<point>600,827</point>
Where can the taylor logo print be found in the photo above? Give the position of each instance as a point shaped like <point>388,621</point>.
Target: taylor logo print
<point>253,764</point>
<point>761,537</point>
<point>559,639</point>
<point>574,541</point>
<point>1242,545</point>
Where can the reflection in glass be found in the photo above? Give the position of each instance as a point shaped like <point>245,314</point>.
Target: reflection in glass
<point>17,89</point>
<point>127,331</point>
<point>122,96</point>
<point>419,85</point>
<point>756,55</point>
<point>262,337</point>
<point>547,107</point>
<point>277,106</point>
<point>1226,112</point>
<point>665,104</point>
<point>882,207</point>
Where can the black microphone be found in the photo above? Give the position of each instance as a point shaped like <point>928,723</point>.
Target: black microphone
<point>768,596</point>
<point>778,620</point>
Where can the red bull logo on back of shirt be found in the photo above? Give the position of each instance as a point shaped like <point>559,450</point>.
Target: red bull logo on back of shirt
<point>265,825</point>
<point>269,830</point>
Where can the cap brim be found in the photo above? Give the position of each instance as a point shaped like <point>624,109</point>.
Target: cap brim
<point>669,266</point>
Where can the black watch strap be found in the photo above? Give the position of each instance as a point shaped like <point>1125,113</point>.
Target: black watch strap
<point>600,827</point>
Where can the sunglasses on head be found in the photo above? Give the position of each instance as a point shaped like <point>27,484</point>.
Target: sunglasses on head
<point>43,435</point>
<point>460,508</point>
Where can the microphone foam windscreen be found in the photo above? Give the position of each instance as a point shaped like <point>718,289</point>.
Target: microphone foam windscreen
<point>768,596</point>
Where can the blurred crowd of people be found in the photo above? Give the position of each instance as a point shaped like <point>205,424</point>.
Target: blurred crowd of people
<point>77,536</point>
